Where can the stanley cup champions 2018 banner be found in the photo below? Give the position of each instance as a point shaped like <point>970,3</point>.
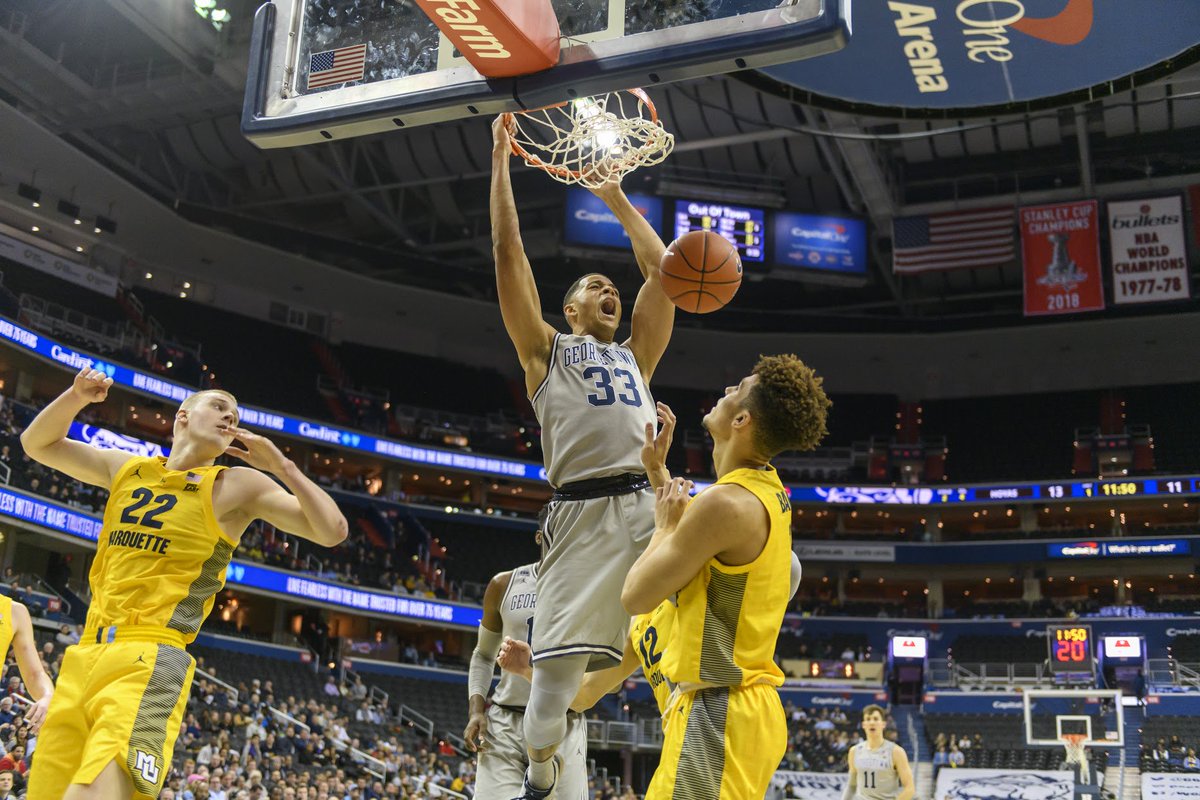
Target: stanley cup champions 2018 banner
<point>1060,248</point>
<point>1149,250</point>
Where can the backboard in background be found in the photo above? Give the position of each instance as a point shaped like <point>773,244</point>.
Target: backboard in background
<point>403,72</point>
<point>1051,714</point>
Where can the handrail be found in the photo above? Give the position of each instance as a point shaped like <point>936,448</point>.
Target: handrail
<point>288,717</point>
<point>918,765</point>
<point>208,676</point>
<point>418,720</point>
<point>434,790</point>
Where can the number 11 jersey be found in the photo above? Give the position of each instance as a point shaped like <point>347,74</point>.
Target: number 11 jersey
<point>593,407</point>
<point>161,556</point>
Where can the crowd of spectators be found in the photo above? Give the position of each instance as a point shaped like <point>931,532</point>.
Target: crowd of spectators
<point>1169,755</point>
<point>819,738</point>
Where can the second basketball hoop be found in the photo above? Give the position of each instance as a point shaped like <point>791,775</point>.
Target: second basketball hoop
<point>592,140</point>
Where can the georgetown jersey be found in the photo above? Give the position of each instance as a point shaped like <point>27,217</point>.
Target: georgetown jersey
<point>875,772</point>
<point>161,556</point>
<point>593,407</point>
<point>516,615</point>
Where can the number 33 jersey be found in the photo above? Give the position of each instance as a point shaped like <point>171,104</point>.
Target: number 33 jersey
<point>161,555</point>
<point>593,407</point>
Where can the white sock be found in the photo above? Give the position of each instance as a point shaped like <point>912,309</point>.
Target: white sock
<point>541,773</point>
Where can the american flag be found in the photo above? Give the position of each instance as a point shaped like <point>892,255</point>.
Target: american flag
<point>192,477</point>
<point>978,238</point>
<point>336,66</point>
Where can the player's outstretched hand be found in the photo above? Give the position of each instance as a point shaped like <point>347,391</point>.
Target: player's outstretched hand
<point>516,657</point>
<point>670,502</point>
<point>655,447</point>
<point>476,733</point>
<point>91,385</point>
<point>258,451</point>
<point>606,182</point>
<point>37,714</point>
<point>502,127</point>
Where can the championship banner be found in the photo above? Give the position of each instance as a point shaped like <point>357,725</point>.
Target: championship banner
<point>973,784</point>
<point>1149,250</point>
<point>810,785</point>
<point>1170,786</point>
<point>1060,248</point>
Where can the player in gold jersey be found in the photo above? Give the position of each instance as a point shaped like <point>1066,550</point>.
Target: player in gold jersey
<point>170,529</point>
<point>727,554</point>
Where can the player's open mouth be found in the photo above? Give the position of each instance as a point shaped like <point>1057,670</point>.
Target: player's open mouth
<point>608,307</point>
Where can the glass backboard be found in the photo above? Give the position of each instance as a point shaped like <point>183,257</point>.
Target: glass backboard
<point>333,69</point>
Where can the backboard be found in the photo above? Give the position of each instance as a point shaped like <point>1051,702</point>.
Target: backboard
<point>399,71</point>
<point>1051,714</point>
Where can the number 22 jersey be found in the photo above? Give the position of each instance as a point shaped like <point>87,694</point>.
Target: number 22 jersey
<point>161,556</point>
<point>593,407</point>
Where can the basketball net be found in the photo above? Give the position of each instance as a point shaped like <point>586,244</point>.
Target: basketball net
<point>1077,754</point>
<point>592,140</point>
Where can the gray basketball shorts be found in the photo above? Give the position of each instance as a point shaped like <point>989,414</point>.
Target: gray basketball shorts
<point>588,547</point>
<point>500,771</point>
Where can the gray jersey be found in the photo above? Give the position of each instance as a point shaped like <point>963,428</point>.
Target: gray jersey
<point>875,772</point>
<point>593,407</point>
<point>516,614</point>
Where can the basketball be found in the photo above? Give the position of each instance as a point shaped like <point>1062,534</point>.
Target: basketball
<point>701,272</point>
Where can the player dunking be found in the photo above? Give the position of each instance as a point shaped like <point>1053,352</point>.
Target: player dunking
<point>727,555</point>
<point>496,733</point>
<point>592,399</point>
<point>879,769</point>
<point>170,529</point>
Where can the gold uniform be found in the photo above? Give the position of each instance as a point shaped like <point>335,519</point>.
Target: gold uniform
<point>726,732</point>
<point>7,632</point>
<point>160,561</point>
<point>649,634</point>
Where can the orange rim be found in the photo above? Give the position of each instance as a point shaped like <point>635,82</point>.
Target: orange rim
<point>534,161</point>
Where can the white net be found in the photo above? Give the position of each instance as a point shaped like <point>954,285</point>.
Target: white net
<point>592,140</point>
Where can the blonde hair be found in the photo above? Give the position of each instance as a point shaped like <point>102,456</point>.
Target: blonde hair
<point>191,400</point>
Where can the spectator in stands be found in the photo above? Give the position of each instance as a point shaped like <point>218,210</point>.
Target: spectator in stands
<point>1160,752</point>
<point>957,759</point>
<point>940,759</point>
<point>6,711</point>
<point>6,785</point>
<point>331,688</point>
<point>1191,761</point>
<point>14,760</point>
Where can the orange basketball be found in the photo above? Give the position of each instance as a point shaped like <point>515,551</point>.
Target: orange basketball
<point>701,271</point>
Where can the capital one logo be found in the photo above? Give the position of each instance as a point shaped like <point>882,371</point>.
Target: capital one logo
<point>1068,27</point>
<point>148,766</point>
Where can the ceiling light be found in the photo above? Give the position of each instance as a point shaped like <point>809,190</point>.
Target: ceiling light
<point>30,193</point>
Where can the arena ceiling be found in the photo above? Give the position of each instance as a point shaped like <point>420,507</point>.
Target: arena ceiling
<point>153,90</point>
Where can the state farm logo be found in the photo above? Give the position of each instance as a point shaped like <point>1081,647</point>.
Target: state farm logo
<point>1081,549</point>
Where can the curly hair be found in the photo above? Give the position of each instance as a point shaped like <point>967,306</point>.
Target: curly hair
<point>788,404</point>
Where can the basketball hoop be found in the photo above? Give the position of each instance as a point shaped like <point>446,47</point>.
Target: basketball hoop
<point>592,140</point>
<point>1077,755</point>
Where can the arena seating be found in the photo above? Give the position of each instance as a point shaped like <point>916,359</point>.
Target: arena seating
<point>1167,741</point>
<point>998,742</point>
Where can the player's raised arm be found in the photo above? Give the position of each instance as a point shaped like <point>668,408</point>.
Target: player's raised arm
<point>45,439</point>
<point>724,521</point>
<point>653,314</point>
<point>520,305</point>
<point>299,506</point>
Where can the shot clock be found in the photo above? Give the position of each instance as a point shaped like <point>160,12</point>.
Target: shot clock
<point>1070,648</point>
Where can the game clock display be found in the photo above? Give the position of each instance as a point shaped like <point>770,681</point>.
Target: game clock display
<point>742,225</point>
<point>1070,648</point>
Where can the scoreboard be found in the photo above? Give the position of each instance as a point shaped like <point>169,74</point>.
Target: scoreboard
<point>742,225</point>
<point>1070,648</point>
